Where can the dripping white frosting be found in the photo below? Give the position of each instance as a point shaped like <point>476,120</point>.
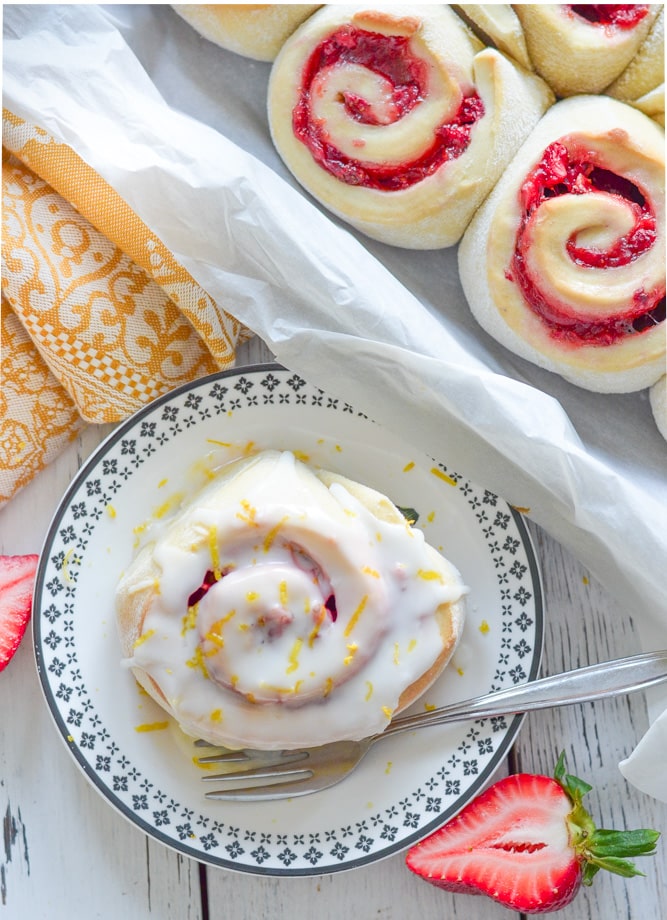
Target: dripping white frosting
<point>287,613</point>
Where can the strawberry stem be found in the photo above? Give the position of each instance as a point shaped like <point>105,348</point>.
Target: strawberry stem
<point>599,848</point>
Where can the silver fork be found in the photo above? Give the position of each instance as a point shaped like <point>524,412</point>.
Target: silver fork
<point>285,774</point>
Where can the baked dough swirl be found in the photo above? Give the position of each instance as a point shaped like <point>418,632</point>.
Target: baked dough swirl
<point>397,119</point>
<point>564,263</point>
<point>582,47</point>
<point>287,607</point>
<point>642,83</point>
<point>253,30</point>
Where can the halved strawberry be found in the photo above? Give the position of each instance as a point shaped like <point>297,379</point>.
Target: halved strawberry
<point>17,579</point>
<point>528,843</point>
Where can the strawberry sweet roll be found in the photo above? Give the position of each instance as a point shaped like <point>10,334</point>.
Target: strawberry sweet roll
<point>397,119</point>
<point>564,263</point>
<point>253,30</point>
<point>285,606</point>
<point>583,47</point>
<point>642,83</point>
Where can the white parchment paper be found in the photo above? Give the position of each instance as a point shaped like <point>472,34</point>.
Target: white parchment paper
<point>179,128</point>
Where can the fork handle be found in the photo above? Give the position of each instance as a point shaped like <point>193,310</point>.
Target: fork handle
<point>582,685</point>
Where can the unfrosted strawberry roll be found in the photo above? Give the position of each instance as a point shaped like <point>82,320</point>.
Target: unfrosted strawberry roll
<point>287,606</point>
<point>397,119</point>
<point>253,30</point>
<point>642,83</point>
<point>565,262</point>
<point>583,47</point>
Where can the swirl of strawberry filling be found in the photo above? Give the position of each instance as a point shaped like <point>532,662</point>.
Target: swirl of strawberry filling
<point>363,92</point>
<point>580,219</point>
<point>610,15</point>
<point>270,629</point>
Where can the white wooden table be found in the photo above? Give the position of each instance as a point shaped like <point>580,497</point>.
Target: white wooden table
<point>68,854</point>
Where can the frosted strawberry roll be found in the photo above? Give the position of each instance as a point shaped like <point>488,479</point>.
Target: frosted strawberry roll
<point>287,606</point>
<point>397,119</point>
<point>583,47</point>
<point>565,262</point>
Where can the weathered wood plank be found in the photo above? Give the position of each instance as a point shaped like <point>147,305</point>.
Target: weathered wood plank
<point>66,852</point>
<point>585,625</point>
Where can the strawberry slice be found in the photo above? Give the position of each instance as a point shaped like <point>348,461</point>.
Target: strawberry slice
<point>528,843</point>
<point>17,579</point>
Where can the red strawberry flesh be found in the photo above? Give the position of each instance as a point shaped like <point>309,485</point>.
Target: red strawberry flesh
<point>17,579</point>
<point>511,843</point>
<point>528,843</point>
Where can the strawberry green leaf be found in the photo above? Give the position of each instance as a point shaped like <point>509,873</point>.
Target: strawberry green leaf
<point>559,771</point>
<point>641,842</point>
<point>410,515</point>
<point>576,788</point>
<point>589,871</point>
<point>618,866</point>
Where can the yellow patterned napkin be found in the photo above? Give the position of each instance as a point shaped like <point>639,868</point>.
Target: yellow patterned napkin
<point>98,318</point>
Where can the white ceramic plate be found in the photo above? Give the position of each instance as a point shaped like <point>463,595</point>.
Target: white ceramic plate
<point>407,786</point>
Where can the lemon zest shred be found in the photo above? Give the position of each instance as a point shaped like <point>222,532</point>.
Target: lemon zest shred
<point>197,662</point>
<point>316,628</point>
<point>249,515</point>
<point>69,555</point>
<point>143,637</point>
<point>441,475</point>
<point>429,575</point>
<point>215,552</point>
<point>352,648</point>
<point>151,727</point>
<point>214,635</point>
<point>354,619</point>
<point>294,656</point>
<point>168,505</point>
<point>273,533</point>
<point>189,621</point>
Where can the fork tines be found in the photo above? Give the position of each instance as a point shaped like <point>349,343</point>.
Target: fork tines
<point>258,767</point>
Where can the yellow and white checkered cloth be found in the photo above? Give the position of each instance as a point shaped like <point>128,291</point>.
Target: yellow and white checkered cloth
<point>98,318</point>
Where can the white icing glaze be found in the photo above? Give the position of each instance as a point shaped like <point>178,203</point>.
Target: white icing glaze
<point>260,660</point>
